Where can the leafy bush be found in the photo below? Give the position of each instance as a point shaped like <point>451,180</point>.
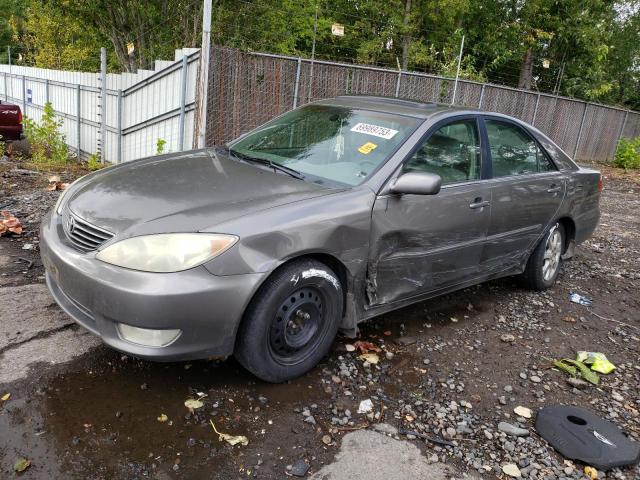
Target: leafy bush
<point>46,141</point>
<point>628,153</point>
<point>94,163</point>
<point>160,146</point>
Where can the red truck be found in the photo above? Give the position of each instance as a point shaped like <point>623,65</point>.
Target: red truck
<point>10,122</point>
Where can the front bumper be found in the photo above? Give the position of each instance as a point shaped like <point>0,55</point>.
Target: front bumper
<point>207,308</point>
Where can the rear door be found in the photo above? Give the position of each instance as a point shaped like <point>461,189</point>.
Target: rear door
<point>426,243</point>
<point>526,192</point>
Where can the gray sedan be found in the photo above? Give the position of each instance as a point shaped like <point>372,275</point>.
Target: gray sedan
<point>326,216</point>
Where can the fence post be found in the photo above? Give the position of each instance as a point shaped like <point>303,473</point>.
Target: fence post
<point>183,101</point>
<point>584,114</point>
<point>202,88</point>
<point>535,111</point>
<point>455,85</point>
<point>481,96</point>
<point>24,95</point>
<point>398,83</point>
<point>6,90</point>
<point>46,90</point>
<point>78,115</point>
<point>296,88</point>
<point>120,112</point>
<point>103,103</point>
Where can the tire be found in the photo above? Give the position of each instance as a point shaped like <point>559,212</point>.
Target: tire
<point>291,322</point>
<point>544,263</point>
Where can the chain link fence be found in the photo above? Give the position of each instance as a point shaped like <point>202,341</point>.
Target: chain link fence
<point>247,89</point>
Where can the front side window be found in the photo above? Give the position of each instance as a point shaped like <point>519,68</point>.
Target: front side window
<point>453,152</point>
<point>327,144</point>
<point>513,152</point>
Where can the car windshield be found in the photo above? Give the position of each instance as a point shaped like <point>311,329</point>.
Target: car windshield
<point>326,144</point>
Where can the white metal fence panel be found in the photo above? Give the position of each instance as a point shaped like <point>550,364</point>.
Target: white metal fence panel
<point>139,109</point>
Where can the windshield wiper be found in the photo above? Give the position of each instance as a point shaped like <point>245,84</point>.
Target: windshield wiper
<point>268,163</point>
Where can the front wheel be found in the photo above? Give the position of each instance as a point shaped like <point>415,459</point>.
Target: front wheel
<point>291,322</point>
<point>544,263</point>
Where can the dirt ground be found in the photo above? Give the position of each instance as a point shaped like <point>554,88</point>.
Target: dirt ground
<point>448,369</point>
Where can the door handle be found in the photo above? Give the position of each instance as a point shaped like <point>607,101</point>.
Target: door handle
<point>479,203</point>
<point>553,188</point>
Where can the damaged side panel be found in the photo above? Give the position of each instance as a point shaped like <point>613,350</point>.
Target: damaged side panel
<point>421,243</point>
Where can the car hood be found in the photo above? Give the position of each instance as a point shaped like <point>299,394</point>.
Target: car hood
<point>182,192</point>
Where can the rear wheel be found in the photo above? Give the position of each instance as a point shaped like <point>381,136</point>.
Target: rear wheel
<point>291,322</point>
<point>544,263</point>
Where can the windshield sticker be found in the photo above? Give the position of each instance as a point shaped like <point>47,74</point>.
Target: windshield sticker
<point>375,130</point>
<point>367,148</point>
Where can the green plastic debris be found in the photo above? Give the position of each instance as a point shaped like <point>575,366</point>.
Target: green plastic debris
<point>585,372</point>
<point>597,361</point>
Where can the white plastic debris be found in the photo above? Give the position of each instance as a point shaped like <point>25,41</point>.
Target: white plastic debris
<point>365,406</point>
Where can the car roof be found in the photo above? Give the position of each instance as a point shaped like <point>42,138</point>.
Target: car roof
<point>399,106</point>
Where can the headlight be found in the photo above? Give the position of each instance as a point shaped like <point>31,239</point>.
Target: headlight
<point>59,203</point>
<point>166,252</point>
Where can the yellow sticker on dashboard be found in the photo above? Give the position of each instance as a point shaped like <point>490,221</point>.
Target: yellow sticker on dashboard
<point>367,148</point>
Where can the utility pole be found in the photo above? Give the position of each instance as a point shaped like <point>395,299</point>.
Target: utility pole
<point>202,89</point>
<point>455,84</point>
<point>313,52</point>
<point>103,105</point>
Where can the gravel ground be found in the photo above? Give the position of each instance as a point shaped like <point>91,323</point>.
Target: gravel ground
<point>452,370</point>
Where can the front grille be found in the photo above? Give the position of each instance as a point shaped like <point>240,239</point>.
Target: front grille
<point>81,234</point>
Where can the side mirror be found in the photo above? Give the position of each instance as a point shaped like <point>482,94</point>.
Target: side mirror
<point>417,183</point>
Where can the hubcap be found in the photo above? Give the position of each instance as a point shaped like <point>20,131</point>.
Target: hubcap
<point>552,253</point>
<point>296,325</point>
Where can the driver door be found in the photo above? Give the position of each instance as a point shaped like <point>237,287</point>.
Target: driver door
<point>426,243</point>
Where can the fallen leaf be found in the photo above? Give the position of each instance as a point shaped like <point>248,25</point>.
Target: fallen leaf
<point>10,223</point>
<point>409,418</point>
<point>591,472</point>
<point>326,439</point>
<point>522,411</point>
<point>372,358</point>
<point>192,404</point>
<point>569,319</point>
<point>366,347</point>
<point>163,418</point>
<point>454,319</point>
<point>21,464</point>
<point>54,178</point>
<point>230,439</point>
<point>5,397</point>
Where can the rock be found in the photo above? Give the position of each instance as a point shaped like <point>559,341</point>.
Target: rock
<point>512,470</point>
<point>389,355</point>
<point>488,434</point>
<point>508,338</point>
<point>385,428</point>
<point>577,383</point>
<point>502,400</point>
<point>327,440</point>
<point>350,348</point>
<point>512,430</point>
<point>300,468</point>
<point>310,420</point>
<point>535,379</point>
<point>407,340</point>
<point>508,389</point>
<point>522,411</point>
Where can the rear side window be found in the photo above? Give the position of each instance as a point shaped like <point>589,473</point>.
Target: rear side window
<point>453,152</point>
<point>514,152</point>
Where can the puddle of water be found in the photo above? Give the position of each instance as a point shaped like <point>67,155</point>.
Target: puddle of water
<point>102,422</point>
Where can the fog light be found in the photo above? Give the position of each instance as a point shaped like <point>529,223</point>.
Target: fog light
<point>146,336</point>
